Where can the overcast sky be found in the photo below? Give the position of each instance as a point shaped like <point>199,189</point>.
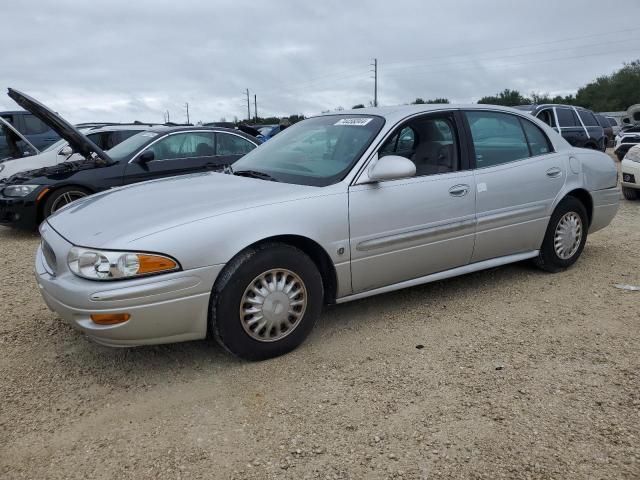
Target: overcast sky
<point>122,60</point>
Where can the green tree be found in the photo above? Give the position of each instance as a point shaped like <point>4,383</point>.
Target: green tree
<point>612,92</point>
<point>507,98</point>
<point>359,105</point>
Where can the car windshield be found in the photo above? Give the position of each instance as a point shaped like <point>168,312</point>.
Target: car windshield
<point>128,147</point>
<point>319,151</point>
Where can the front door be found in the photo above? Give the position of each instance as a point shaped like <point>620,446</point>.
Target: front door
<point>176,154</point>
<point>518,177</point>
<point>408,228</point>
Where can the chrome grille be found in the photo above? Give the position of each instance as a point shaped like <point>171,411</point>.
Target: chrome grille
<point>49,257</point>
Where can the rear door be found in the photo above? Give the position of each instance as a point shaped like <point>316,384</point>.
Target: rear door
<point>178,153</point>
<point>518,176</point>
<point>408,228</point>
<point>229,148</point>
<point>570,126</point>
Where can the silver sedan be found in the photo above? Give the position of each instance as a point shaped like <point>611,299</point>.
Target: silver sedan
<point>335,208</point>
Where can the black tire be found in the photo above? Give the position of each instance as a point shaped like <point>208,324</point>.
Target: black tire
<point>548,259</point>
<point>630,193</point>
<point>54,198</point>
<point>225,321</point>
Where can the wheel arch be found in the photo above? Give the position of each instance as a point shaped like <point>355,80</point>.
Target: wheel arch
<point>585,198</point>
<point>52,189</point>
<point>314,250</point>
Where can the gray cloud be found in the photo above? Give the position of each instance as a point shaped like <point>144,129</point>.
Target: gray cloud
<point>124,60</point>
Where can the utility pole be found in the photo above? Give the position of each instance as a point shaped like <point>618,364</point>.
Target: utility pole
<point>167,119</point>
<point>248,106</point>
<point>375,81</point>
<point>187,105</point>
<point>255,107</point>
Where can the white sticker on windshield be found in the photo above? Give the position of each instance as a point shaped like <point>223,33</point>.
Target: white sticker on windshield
<point>149,134</point>
<point>354,122</point>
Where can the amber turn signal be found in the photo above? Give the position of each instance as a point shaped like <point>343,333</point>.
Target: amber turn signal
<point>109,318</point>
<point>154,263</point>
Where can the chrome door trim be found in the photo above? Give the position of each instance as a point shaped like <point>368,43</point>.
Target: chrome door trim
<point>413,235</point>
<point>434,277</point>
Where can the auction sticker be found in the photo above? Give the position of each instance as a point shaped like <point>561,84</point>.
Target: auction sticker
<point>354,122</point>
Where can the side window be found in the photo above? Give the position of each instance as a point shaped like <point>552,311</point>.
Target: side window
<point>122,135</point>
<point>547,117</point>
<point>33,126</point>
<point>566,117</point>
<point>497,138</point>
<point>402,143</point>
<point>538,142</point>
<point>229,144</point>
<point>587,118</point>
<point>429,142</point>
<point>184,145</point>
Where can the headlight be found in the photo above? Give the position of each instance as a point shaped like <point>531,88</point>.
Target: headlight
<point>105,265</point>
<point>633,154</point>
<point>18,190</point>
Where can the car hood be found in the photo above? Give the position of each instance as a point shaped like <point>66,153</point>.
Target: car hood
<point>80,143</point>
<point>115,218</point>
<point>55,173</point>
<point>11,167</point>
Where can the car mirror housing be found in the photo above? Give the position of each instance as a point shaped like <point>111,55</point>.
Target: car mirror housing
<point>391,167</point>
<point>146,156</point>
<point>66,151</point>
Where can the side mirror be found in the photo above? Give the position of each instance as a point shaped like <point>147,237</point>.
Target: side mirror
<point>146,156</point>
<point>66,151</point>
<point>391,167</point>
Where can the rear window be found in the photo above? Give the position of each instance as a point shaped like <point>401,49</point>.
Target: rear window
<point>588,118</point>
<point>612,122</point>
<point>566,117</point>
<point>33,126</point>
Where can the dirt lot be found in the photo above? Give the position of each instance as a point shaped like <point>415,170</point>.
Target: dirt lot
<point>505,373</point>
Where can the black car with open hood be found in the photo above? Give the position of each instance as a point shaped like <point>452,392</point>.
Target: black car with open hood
<point>28,197</point>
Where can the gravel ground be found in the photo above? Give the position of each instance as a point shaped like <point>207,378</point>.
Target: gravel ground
<point>507,373</point>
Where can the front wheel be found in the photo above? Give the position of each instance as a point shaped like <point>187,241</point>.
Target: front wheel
<point>565,236</point>
<point>630,193</point>
<point>59,198</point>
<point>266,302</point>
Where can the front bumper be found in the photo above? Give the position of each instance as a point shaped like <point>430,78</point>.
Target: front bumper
<point>630,173</point>
<point>19,212</point>
<point>164,308</point>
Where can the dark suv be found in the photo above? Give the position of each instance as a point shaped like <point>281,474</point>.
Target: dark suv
<point>36,131</point>
<point>577,125</point>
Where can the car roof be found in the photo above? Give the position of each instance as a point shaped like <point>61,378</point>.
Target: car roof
<point>114,128</point>
<point>399,112</point>
<point>166,128</point>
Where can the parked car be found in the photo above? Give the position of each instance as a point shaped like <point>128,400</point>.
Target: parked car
<point>613,121</point>
<point>608,130</point>
<point>29,197</point>
<point>627,138</point>
<point>336,208</point>
<point>38,133</point>
<point>13,144</point>
<point>577,125</point>
<point>631,174</point>
<point>105,137</point>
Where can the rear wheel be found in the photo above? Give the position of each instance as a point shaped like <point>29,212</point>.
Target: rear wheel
<point>630,193</point>
<point>266,302</point>
<point>64,196</point>
<point>565,236</point>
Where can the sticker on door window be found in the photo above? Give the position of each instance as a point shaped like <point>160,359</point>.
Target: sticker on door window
<point>354,122</point>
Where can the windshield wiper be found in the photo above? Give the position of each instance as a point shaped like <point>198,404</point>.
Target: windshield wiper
<point>255,174</point>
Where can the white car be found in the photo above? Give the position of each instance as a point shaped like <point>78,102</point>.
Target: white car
<point>105,137</point>
<point>625,140</point>
<point>631,174</point>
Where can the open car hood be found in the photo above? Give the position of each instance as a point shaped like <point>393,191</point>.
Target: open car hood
<point>76,140</point>
<point>13,136</point>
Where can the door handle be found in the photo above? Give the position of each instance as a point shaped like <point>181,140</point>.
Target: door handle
<point>459,190</point>
<point>554,172</point>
